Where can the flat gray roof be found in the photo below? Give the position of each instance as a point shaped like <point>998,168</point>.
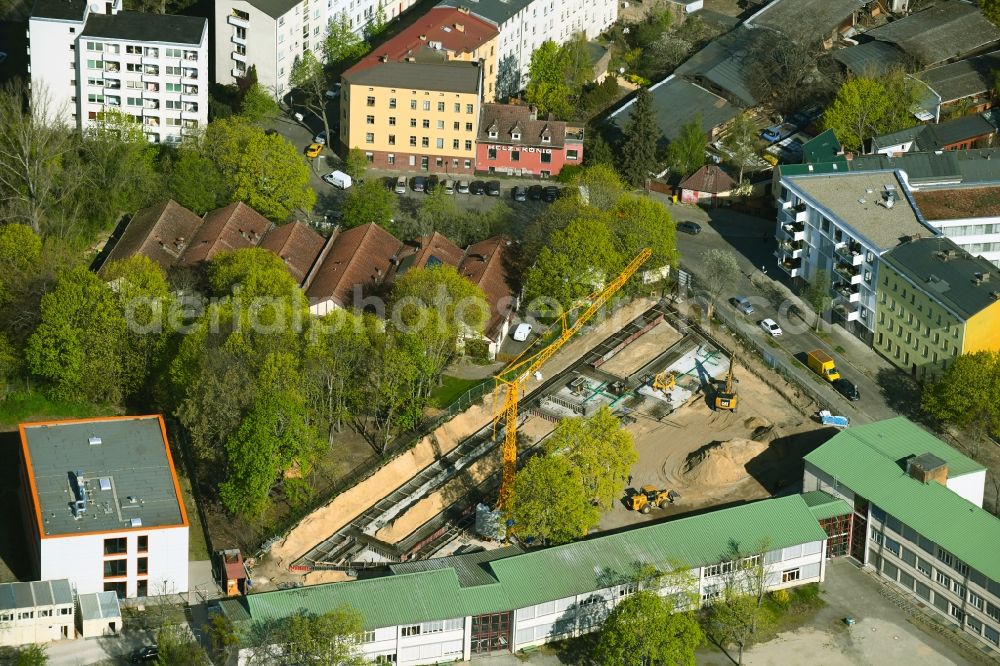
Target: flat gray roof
<point>964,78</point>
<point>128,478</point>
<point>451,76</point>
<point>677,102</point>
<point>813,18</point>
<point>839,193</point>
<point>36,593</point>
<point>493,11</point>
<point>99,606</point>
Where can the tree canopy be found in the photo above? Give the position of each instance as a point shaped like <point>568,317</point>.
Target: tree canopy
<point>550,502</point>
<point>644,630</point>
<point>965,394</point>
<point>870,106</point>
<point>642,135</point>
<point>369,203</point>
<point>686,152</point>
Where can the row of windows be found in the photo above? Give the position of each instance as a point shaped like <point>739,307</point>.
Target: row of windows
<point>143,69</point>
<point>428,628</point>
<point>30,615</point>
<point>425,142</point>
<point>119,567</point>
<point>469,108</point>
<point>426,123</point>
<point>972,230</point>
<point>119,545</point>
<point>390,159</point>
<point>148,51</point>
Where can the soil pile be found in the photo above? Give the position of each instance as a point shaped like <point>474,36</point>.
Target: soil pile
<point>722,463</point>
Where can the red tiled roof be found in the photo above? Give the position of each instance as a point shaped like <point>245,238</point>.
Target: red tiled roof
<point>440,25</point>
<point>297,245</point>
<point>359,256</point>
<point>709,178</point>
<point>484,266</point>
<point>231,228</point>
<point>160,232</point>
<point>503,118</point>
<point>435,248</point>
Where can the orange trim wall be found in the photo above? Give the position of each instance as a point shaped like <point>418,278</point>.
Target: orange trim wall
<point>34,490</point>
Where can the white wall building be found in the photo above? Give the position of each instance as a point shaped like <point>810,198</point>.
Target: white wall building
<point>89,58</point>
<point>36,612</point>
<point>525,24</point>
<point>99,614</point>
<point>102,506</point>
<point>499,601</point>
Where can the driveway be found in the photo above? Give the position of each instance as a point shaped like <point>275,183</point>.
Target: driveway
<point>751,239</point>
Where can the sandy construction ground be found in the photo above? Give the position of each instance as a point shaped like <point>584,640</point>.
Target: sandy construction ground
<point>642,350</point>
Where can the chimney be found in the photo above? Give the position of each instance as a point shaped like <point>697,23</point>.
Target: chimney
<point>460,27</point>
<point>980,278</point>
<point>532,113</point>
<point>927,467</point>
<point>423,38</point>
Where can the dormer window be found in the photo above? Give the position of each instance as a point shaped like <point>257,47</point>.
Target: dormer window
<point>516,136</point>
<point>546,138</point>
<point>493,133</point>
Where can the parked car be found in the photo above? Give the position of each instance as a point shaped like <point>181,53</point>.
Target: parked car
<point>401,185</point>
<point>145,655</point>
<point>742,304</point>
<point>535,192</point>
<point>433,182</point>
<point>463,187</point>
<point>314,150</point>
<point>521,332</point>
<point>477,187</point>
<point>771,327</point>
<point>692,228</point>
<point>550,194</point>
<point>519,193</point>
<point>320,138</point>
<point>847,389</point>
<point>338,179</point>
<point>449,186</point>
<point>334,93</point>
<point>493,188</point>
<point>419,183</point>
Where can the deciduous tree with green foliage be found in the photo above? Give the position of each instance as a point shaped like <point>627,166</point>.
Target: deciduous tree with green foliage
<point>742,142</point>
<point>739,617</point>
<point>547,88</point>
<point>550,501</point>
<point>369,203</point>
<point>601,449</point>
<point>376,26</point>
<point>195,182</point>
<point>642,135</point>
<point>991,10</point>
<point>342,45</point>
<point>176,646</point>
<point>965,394</point>
<point>721,272</point>
<point>391,388</point>
<point>640,222</point>
<point>870,106</point>
<point>686,152</point>
<point>356,164</point>
<point>309,639</point>
<point>817,295</point>
<point>311,82</point>
<point>258,105</point>
<point>335,356</point>
<point>20,251</point>
<point>603,184</point>
<point>645,630</point>
<point>31,655</point>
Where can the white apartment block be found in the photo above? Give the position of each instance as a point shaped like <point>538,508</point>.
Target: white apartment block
<point>842,223</point>
<point>92,58</point>
<point>525,24</point>
<point>36,612</point>
<point>102,506</point>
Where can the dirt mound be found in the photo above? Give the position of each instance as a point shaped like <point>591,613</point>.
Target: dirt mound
<point>755,422</point>
<point>722,463</point>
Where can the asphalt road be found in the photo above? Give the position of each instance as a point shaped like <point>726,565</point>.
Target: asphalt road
<point>751,239</point>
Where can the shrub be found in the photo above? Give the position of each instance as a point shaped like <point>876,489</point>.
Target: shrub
<point>782,598</point>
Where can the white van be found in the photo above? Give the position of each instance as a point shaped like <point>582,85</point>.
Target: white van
<point>401,185</point>
<point>449,186</point>
<point>338,179</point>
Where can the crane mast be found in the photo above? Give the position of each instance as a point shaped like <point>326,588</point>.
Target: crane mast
<point>513,377</point>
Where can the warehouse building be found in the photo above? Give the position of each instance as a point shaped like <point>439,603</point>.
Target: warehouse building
<point>36,612</point>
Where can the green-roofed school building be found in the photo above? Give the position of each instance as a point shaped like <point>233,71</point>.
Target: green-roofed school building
<point>504,600</point>
<point>917,518</point>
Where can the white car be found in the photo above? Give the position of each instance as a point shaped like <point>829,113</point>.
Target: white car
<point>522,332</point>
<point>771,327</point>
<point>320,138</point>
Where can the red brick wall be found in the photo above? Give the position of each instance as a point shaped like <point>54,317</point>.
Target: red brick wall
<point>380,160</point>
<point>530,158</point>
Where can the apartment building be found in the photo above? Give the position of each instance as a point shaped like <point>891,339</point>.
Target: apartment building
<point>513,140</point>
<point>917,520</point>
<point>842,223</point>
<point>969,216</point>
<point>92,58</point>
<point>935,302</point>
<point>36,612</point>
<point>505,600</point>
<point>524,24</point>
<point>102,506</point>
<point>420,114</point>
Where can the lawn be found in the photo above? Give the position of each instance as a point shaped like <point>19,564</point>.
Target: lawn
<point>197,545</point>
<point>451,389</point>
<point>24,406</point>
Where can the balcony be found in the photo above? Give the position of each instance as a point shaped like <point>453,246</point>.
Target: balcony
<point>113,67</point>
<point>237,72</point>
<point>191,56</point>
<point>784,205</point>
<point>848,272</point>
<point>150,104</point>
<point>152,87</point>
<point>801,213</point>
<point>112,84</point>
<point>791,248</point>
<point>239,57</point>
<point>190,107</point>
<point>795,231</point>
<point>791,266</point>
<point>851,253</point>
<point>238,40</point>
<point>151,70</point>
<point>190,124</point>
<point>850,293</point>
<point>189,74</point>
<point>151,121</point>
<point>846,312</point>
<point>239,21</point>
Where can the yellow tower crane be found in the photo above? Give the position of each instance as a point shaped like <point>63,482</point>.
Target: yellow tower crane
<point>512,377</point>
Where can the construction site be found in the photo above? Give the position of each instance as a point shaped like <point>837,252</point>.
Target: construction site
<point>661,377</point>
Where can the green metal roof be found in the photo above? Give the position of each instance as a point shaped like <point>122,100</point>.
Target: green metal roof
<point>471,568</point>
<point>553,573</point>
<point>869,460</point>
<point>824,147</point>
<point>824,505</point>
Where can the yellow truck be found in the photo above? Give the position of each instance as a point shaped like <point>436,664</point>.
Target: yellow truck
<point>822,364</point>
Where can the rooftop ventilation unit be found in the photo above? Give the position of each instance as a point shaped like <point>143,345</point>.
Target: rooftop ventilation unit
<point>95,441</point>
<point>105,483</point>
<point>78,484</point>
<point>135,522</point>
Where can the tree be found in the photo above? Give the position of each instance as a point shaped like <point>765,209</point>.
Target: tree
<point>739,616</point>
<point>36,188</point>
<point>721,272</point>
<point>777,70</point>
<point>603,185</point>
<point>869,106</point>
<point>376,26</point>
<point>817,294</point>
<point>742,142</point>
<point>597,151</point>
<point>508,77</point>
<point>256,273</point>
<point>195,182</point>
<point>578,69</point>
<point>177,647</point>
<point>309,639</point>
<point>965,393</point>
<point>686,152</point>
<point>640,222</point>
<point>20,251</point>
<point>391,390</point>
<point>309,77</point>
<point>342,45</point>
<point>335,356</point>
<point>356,164</point>
<point>547,88</point>
<point>641,137</point>
<point>600,449</point>
<point>550,502</point>
<point>81,338</point>
<point>644,630</point>
<point>222,637</point>
<point>597,98</point>
<point>258,105</point>
<point>991,10</point>
<point>32,655</point>
<point>665,54</point>
<point>369,203</point>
